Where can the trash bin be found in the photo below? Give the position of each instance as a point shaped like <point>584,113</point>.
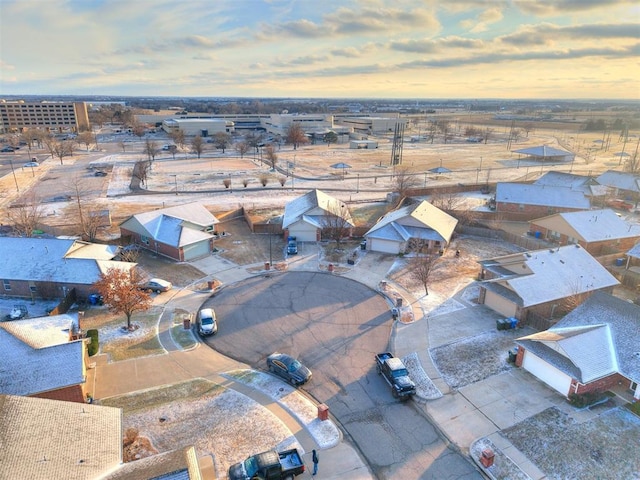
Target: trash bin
<point>395,313</point>
<point>399,302</point>
<point>93,299</point>
<point>619,262</point>
<point>512,356</point>
<point>186,323</point>
<point>487,457</point>
<point>323,412</point>
<point>538,234</point>
<point>330,268</point>
<point>500,324</point>
<point>513,322</point>
<point>363,245</point>
<point>351,262</point>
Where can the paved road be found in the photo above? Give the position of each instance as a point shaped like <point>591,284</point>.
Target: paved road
<point>335,325</point>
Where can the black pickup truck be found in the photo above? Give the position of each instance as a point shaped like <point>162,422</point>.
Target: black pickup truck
<point>269,465</point>
<point>396,375</point>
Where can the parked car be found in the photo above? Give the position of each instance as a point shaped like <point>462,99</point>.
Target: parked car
<point>206,322</point>
<point>7,149</point>
<point>288,368</point>
<point>31,164</point>
<point>100,173</point>
<point>395,373</point>
<point>269,465</point>
<point>292,246</point>
<point>157,285</point>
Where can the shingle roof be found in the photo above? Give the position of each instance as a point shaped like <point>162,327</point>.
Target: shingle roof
<point>420,220</point>
<point>181,464</point>
<point>563,179</point>
<point>544,195</point>
<point>176,226</point>
<point>635,251</point>
<point>52,260</point>
<point>298,207</point>
<point>591,225</point>
<point>606,339</point>
<point>39,349</point>
<point>620,180</point>
<point>44,439</point>
<point>542,276</point>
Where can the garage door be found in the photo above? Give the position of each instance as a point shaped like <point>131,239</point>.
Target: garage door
<point>550,375</point>
<point>196,250</point>
<point>500,304</point>
<point>384,246</point>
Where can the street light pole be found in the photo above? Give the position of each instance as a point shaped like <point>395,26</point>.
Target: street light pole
<point>14,175</point>
<point>175,178</point>
<point>358,183</point>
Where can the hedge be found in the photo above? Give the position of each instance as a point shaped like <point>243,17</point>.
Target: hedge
<point>93,345</point>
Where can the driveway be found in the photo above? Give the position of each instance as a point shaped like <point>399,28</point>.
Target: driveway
<point>335,326</point>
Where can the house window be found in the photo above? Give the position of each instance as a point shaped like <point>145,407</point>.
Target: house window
<point>521,207</point>
<point>33,289</point>
<point>144,239</point>
<point>7,285</point>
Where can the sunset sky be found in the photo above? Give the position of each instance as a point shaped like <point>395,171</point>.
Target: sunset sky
<point>312,48</point>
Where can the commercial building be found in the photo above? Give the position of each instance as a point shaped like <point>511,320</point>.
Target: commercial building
<point>16,116</point>
<point>205,127</point>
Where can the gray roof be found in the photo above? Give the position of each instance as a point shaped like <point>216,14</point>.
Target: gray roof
<point>563,179</point>
<point>41,347</point>
<point>599,337</point>
<point>181,464</point>
<point>44,439</point>
<point>544,151</point>
<point>635,251</point>
<point>542,276</point>
<point>590,225</point>
<point>544,195</point>
<point>620,180</point>
<point>420,220</point>
<point>300,208</point>
<point>176,226</point>
<point>53,260</point>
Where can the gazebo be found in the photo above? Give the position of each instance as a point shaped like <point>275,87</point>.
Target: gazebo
<point>546,153</point>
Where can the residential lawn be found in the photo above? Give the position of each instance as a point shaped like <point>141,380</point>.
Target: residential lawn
<point>368,215</point>
<point>120,344</point>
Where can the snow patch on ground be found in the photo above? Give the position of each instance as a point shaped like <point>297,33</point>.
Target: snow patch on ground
<point>424,386</point>
<point>325,433</point>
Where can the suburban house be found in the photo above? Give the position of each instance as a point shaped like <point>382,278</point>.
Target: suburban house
<point>599,232</point>
<point>307,216</point>
<point>417,227</point>
<point>593,348</point>
<point>79,442</point>
<point>43,357</point>
<point>541,283</point>
<point>587,185</point>
<point>622,184</point>
<point>52,268</point>
<point>526,201</point>
<point>183,232</point>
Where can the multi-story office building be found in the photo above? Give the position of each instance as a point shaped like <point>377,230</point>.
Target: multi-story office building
<point>16,116</point>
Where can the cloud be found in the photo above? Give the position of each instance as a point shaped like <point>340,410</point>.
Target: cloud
<point>372,20</point>
<point>545,33</point>
<point>556,7</point>
<point>436,45</point>
<point>483,20</point>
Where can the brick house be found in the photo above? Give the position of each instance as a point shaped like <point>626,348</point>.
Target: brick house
<point>594,348</point>
<point>541,283</point>
<point>182,233</point>
<point>599,232</point>
<point>43,357</point>
<point>51,267</point>
<point>622,184</point>
<point>526,201</point>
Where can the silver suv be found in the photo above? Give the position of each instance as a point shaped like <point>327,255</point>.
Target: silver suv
<point>206,322</point>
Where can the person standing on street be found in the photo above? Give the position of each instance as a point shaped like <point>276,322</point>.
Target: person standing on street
<point>314,458</point>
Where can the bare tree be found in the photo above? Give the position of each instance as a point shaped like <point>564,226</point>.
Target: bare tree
<point>452,202</point>
<point>59,149</point>
<point>296,136</point>
<point>445,128</point>
<point>26,217</point>
<point>336,222</point>
<point>197,145</point>
<point>222,140</point>
<point>130,253</point>
<point>421,269</point>
<point>123,293</point>
<point>254,139</point>
<point>404,180</point>
<point>141,171</point>
<point>86,138</point>
<point>139,130</point>
<point>486,134</point>
<point>151,149</point>
<point>271,155</point>
<point>178,137</point>
<point>433,128</point>
<point>242,148</point>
